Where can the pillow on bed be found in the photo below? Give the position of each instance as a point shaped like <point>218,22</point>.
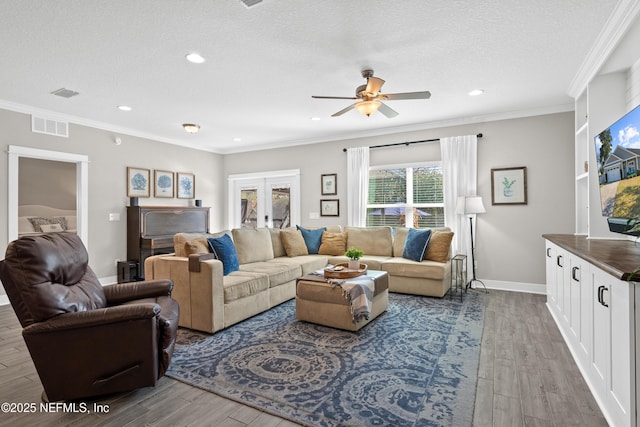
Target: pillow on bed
<point>38,222</point>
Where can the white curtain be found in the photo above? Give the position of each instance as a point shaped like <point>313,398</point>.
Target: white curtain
<point>357,185</point>
<point>460,172</point>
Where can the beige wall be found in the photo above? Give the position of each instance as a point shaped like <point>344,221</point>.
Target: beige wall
<point>107,179</point>
<point>509,243</point>
<point>47,182</point>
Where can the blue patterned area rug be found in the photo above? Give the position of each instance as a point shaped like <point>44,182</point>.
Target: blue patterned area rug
<point>415,365</point>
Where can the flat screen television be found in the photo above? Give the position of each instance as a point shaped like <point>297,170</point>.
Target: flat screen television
<point>618,160</point>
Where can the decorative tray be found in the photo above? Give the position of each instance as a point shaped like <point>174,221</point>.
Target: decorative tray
<point>342,271</point>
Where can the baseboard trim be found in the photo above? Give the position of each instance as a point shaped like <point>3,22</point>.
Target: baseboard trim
<point>530,288</point>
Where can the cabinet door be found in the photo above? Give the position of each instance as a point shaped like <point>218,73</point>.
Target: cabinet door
<point>575,289</point>
<point>561,261</point>
<point>586,312</point>
<point>601,329</point>
<point>550,260</point>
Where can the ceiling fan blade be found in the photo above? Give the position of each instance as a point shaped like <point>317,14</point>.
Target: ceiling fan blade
<point>333,97</point>
<point>408,95</point>
<point>387,111</point>
<point>374,84</point>
<point>344,110</point>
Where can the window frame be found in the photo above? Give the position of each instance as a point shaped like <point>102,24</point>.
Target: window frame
<point>409,203</point>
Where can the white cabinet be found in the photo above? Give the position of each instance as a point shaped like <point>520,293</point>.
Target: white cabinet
<point>595,314</point>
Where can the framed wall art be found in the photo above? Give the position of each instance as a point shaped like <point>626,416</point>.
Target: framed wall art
<point>138,182</point>
<point>186,185</point>
<point>329,183</point>
<point>329,207</point>
<point>163,183</point>
<point>509,186</point>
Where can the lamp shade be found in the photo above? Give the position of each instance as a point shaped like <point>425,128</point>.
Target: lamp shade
<point>469,205</point>
<point>368,107</point>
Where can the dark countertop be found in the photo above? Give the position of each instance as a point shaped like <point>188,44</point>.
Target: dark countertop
<point>617,257</point>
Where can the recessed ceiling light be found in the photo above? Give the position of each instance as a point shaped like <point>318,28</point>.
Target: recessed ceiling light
<point>315,119</point>
<point>237,139</point>
<point>196,58</point>
<point>476,92</point>
<point>124,108</point>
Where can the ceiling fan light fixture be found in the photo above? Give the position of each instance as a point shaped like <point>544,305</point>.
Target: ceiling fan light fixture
<point>191,127</point>
<point>368,107</point>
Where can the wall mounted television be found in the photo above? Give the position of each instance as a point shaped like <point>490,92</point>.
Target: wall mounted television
<point>618,160</point>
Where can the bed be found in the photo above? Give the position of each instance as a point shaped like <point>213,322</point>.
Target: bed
<point>39,219</point>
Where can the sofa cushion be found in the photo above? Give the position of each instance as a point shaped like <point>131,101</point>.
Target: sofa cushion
<point>253,244</point>
<point>179,239</point>
<point>196,246</point>
<point>333,243</point>
<point>293,242</point>
<point>241,284</point>
<point>399,236</point>
<point>439,247</point>
<point>399,266</point>
<point>312,238</point>
<point>278,273</point>
<point>415,246</point>
<point>373,262</point>
<point>276,242</point>
<point>222,247</point>
<point>308,263</point>
<point>371,240</point>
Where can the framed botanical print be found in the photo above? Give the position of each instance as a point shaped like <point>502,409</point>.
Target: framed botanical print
<point>163,181</point>
<point>138,182</point>
<point>509,186</point>
<point>186,185</point>
<point>329,207</point>
<point>329,184</point>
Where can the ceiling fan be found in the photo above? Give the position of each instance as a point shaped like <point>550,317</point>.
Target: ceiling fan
<point>370,99</point>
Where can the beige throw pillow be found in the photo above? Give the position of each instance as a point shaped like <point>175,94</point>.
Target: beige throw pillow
<point>439,246</point>
<point>196,246</point>
<point>333,243</point>
<point>293,242</point>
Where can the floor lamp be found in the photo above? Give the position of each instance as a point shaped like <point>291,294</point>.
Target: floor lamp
<point>471,205</point>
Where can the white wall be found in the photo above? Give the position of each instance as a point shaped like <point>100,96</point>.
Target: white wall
<point>107,179</point>
<point>509,243</point>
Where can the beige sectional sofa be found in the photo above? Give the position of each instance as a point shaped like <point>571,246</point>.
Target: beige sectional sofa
<point>210,301</point>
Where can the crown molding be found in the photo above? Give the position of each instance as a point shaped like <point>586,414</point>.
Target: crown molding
<point>613,31</point>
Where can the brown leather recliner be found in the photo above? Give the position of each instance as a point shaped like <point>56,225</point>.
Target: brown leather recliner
<point>85,339</point>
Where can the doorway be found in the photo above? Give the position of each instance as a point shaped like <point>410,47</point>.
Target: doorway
<point>81,186</point>
<point>269,199</point>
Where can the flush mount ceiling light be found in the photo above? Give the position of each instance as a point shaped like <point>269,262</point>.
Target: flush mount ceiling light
<point>191,127</point>
<point>196,58</point>
<point>124,108</point>
<point>368,107</point>
<point>476,92</point>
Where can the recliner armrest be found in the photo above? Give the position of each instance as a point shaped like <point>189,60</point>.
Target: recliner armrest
<point>195,259</point>
<point>97,317</point>
<point>124,292</point>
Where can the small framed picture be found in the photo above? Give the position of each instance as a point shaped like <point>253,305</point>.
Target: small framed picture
<point>163,183</point>
<point>329,207</point>
<point>138,182</point>
<point>509,186</point>
<point>329,184</point>
<point>186,185</point>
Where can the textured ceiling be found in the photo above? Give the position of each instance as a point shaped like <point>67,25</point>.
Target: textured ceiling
<point>264,63</point>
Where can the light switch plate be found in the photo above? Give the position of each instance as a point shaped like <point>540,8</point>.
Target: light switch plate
<point>314,215</point>
<point>114,217</point>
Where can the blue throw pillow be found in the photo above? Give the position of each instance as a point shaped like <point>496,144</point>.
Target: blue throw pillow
<point>312,238</point>
<point>224,250</point>
<point>416,244</point>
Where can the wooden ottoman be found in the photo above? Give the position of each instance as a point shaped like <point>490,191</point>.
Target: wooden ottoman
<point>325,304</point>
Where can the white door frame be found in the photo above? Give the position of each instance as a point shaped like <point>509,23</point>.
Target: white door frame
<point>82,186</point>
<point>237,181</point>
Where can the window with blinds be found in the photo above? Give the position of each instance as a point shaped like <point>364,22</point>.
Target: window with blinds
<point>407,196</point>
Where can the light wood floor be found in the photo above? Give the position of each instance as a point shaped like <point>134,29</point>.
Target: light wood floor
<point>526,377</point>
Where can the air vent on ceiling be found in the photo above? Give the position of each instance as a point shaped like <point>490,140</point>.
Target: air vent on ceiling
<point>65,93</point>
<point>49,126</point>
<point>251,3</point>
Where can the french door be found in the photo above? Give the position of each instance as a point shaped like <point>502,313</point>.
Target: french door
<point>269,199</point>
